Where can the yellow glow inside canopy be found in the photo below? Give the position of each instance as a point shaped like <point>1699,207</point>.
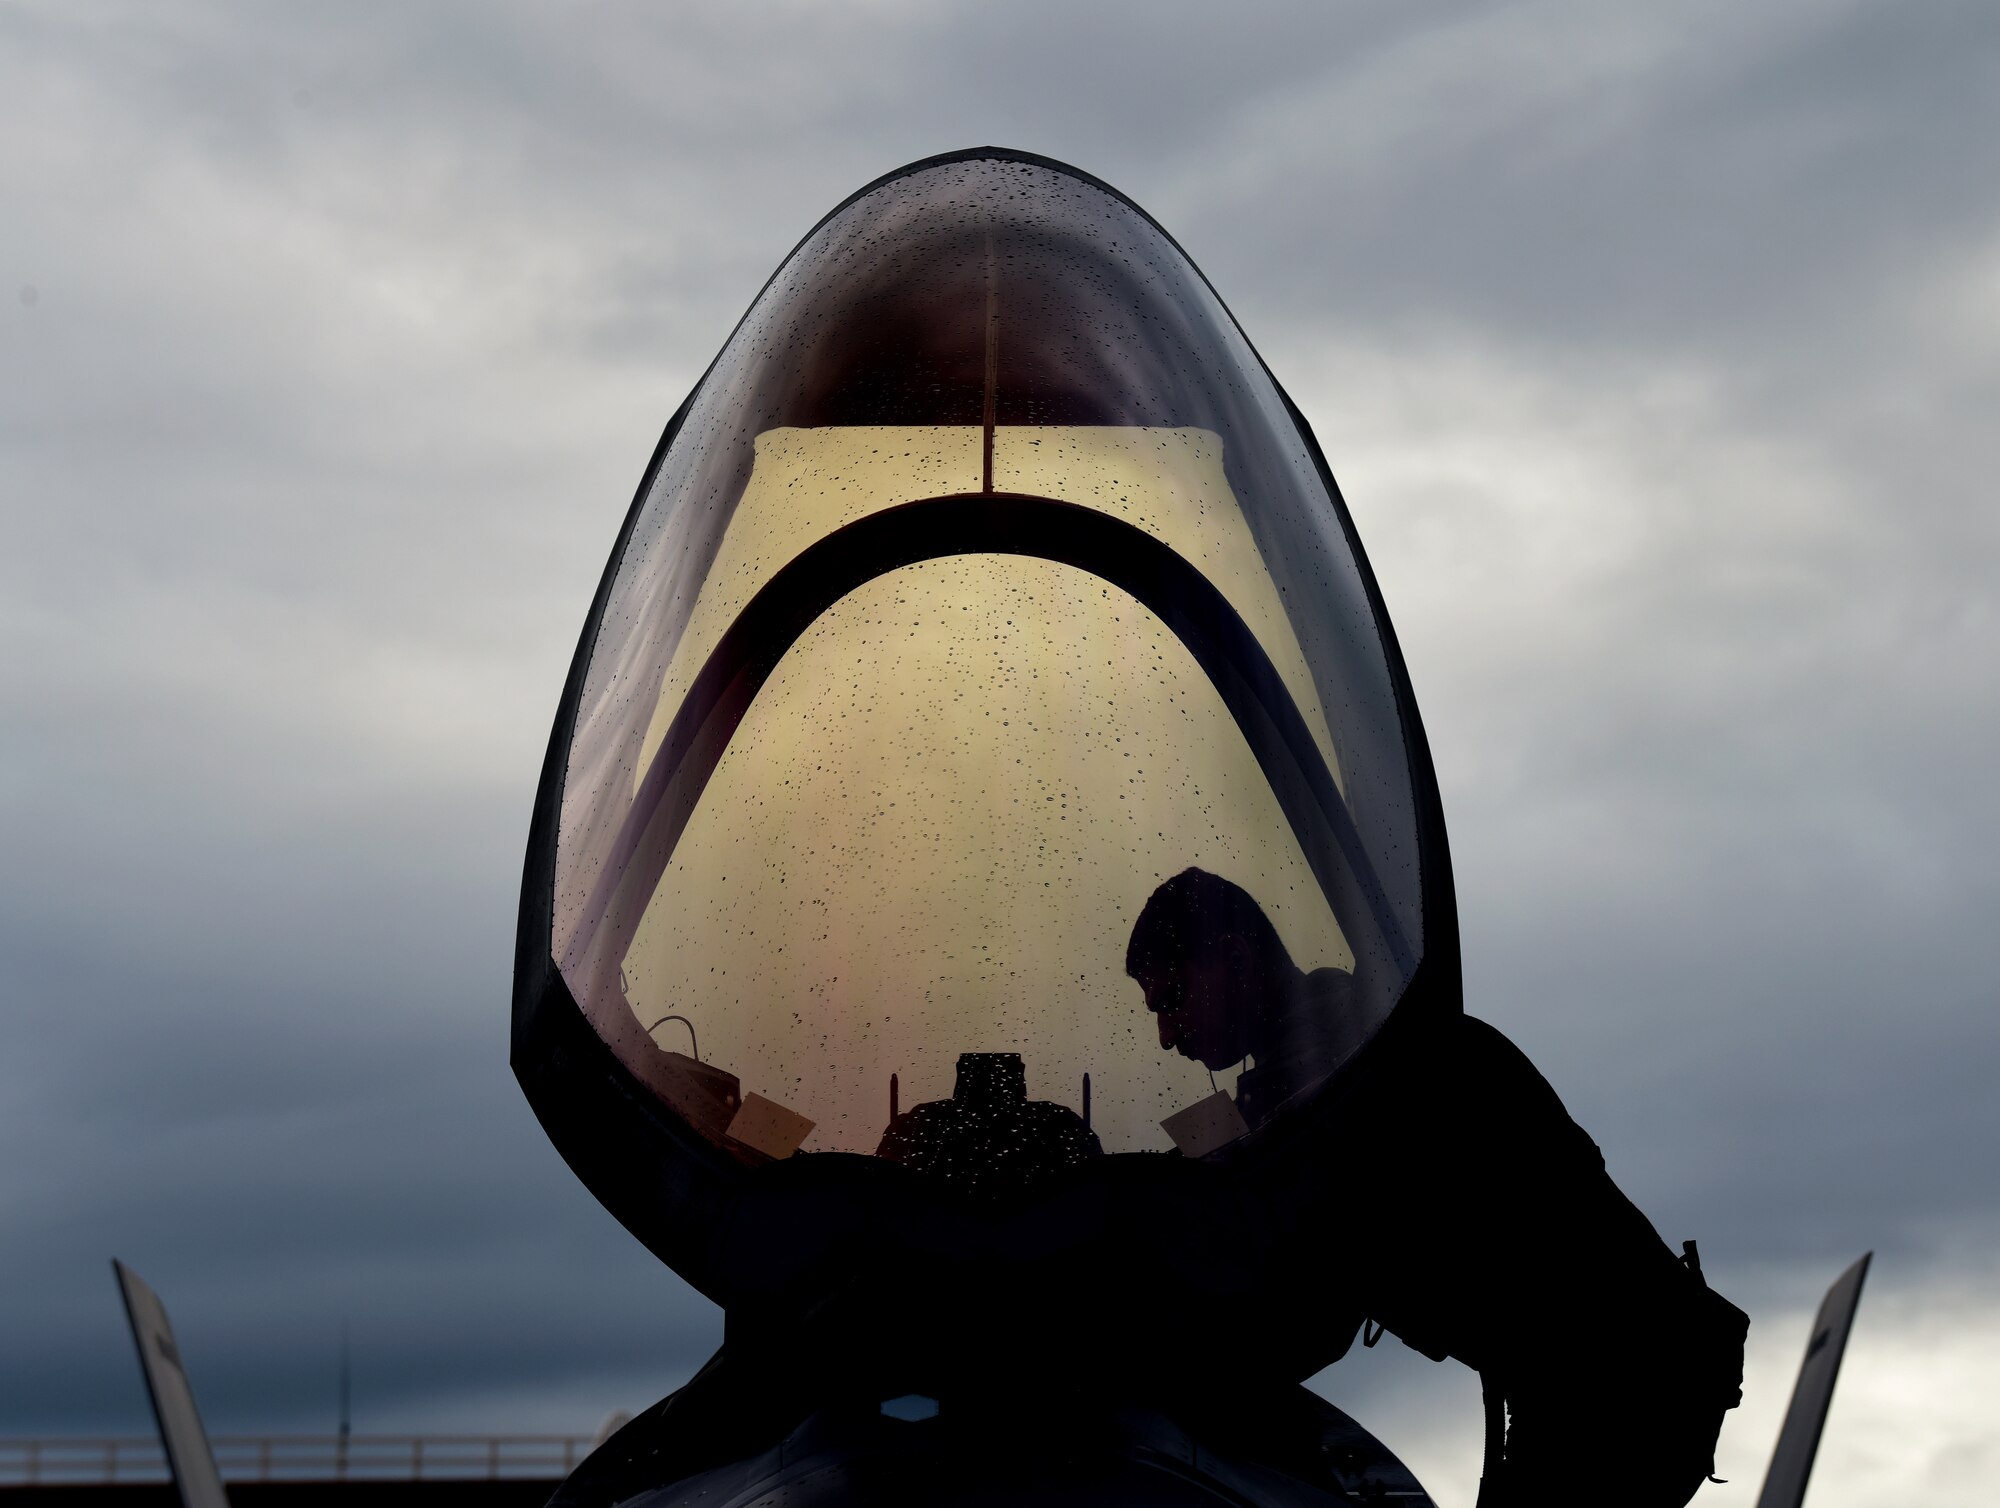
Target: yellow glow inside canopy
<point>931,834</point>
<point>806,483</point>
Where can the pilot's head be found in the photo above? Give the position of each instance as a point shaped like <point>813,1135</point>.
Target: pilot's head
<point>1211,964</point>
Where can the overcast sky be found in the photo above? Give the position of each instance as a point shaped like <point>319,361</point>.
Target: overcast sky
<point>1657,349</point>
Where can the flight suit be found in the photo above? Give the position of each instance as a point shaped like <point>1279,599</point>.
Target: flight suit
<point>1483,1226</point>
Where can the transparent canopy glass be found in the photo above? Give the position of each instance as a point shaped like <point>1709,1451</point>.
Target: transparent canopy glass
<point>986,588</point>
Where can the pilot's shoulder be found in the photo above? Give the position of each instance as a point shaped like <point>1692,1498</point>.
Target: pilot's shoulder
<point>1485,1042</point>
<point>1484,1051</point>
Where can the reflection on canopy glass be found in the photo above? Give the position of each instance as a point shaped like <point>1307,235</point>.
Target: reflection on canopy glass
<point>986,587</point>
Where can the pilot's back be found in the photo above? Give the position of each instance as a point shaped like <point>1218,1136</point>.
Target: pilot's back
<point>1495,1235</point>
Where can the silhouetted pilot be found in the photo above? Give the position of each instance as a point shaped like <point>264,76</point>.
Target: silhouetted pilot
<point>1223,988</point>
<point>1465,1211</point>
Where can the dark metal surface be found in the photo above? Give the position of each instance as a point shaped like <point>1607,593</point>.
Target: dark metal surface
<point>1049,1444</point>
<point>1798,1441</point>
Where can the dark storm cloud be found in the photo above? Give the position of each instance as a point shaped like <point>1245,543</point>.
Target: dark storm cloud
<point>1655,347</point>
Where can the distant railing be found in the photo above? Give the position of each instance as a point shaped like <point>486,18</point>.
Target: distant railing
<point>297,1458</point>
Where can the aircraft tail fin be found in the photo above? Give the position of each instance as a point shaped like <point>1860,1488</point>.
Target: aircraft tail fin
<point>181,1432</point>
<point>1798,1441</point>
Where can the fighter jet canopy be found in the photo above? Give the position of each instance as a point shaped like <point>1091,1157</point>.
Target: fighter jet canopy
<point>987,757</point>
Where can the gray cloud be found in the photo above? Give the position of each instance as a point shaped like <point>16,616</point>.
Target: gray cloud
<point>1656,351</point>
